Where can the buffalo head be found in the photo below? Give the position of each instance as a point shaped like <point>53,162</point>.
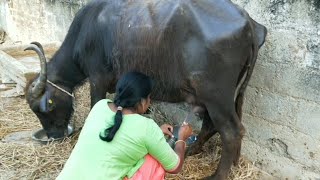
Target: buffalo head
<point>52,103</point>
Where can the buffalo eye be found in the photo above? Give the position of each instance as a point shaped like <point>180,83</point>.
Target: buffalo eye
<point>51,105</point>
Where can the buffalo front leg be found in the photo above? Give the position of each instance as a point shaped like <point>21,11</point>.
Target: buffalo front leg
<point>207,131</point>
<point>98,88</point>
<point>231,132</point>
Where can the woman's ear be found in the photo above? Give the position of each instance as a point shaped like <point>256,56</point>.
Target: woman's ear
<point>143,104</point>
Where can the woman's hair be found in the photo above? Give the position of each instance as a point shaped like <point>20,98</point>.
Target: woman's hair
<point>130,90</point>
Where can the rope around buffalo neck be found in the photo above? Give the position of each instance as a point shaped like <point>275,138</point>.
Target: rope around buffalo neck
<point>71,122</point>
<point>61,89</point>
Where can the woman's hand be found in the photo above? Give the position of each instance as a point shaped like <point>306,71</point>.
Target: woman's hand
<point>185,132</point>
<point>167,129</point>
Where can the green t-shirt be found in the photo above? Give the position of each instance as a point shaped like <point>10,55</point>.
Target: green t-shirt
<point>137,136</point>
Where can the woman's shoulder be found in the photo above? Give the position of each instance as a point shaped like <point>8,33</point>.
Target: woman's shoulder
<point>102,102</point>
<point>150,123</point>
<point>140,120</point>
<point>101,106</point>
<point>137,118</point>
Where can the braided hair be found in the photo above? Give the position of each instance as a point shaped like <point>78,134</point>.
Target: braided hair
<point>130,90</point>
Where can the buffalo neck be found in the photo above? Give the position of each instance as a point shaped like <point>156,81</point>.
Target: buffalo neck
<point>63,70</point>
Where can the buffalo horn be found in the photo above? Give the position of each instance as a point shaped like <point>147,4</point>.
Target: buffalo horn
<point>41,81</point>
<point>39,46</point>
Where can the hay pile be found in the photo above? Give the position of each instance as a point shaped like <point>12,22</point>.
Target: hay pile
<point>31,160</point>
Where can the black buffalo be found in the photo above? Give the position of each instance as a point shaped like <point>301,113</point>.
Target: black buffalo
<point>199,51</point>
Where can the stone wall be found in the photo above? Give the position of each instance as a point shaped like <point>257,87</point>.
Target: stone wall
<point>37,20</point>
<point>282,106</point>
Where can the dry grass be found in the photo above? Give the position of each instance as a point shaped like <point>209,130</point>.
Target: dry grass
<point>15,115</point>
<point>205,163</point>
<point>35,161</point>
<point>31,160</point>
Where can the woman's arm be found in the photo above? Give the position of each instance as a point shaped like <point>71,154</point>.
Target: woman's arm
<point>180,146</point>
<point>171,160</point>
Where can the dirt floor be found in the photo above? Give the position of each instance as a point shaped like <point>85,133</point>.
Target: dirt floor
<point>22,158</point>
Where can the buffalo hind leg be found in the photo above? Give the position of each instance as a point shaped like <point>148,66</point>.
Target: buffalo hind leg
<point>231,130</point>
<point>239,103</point>
<point>207,131</point>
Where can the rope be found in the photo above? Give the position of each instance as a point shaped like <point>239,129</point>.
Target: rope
<point>61,89</point>
<point>71,122</point>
